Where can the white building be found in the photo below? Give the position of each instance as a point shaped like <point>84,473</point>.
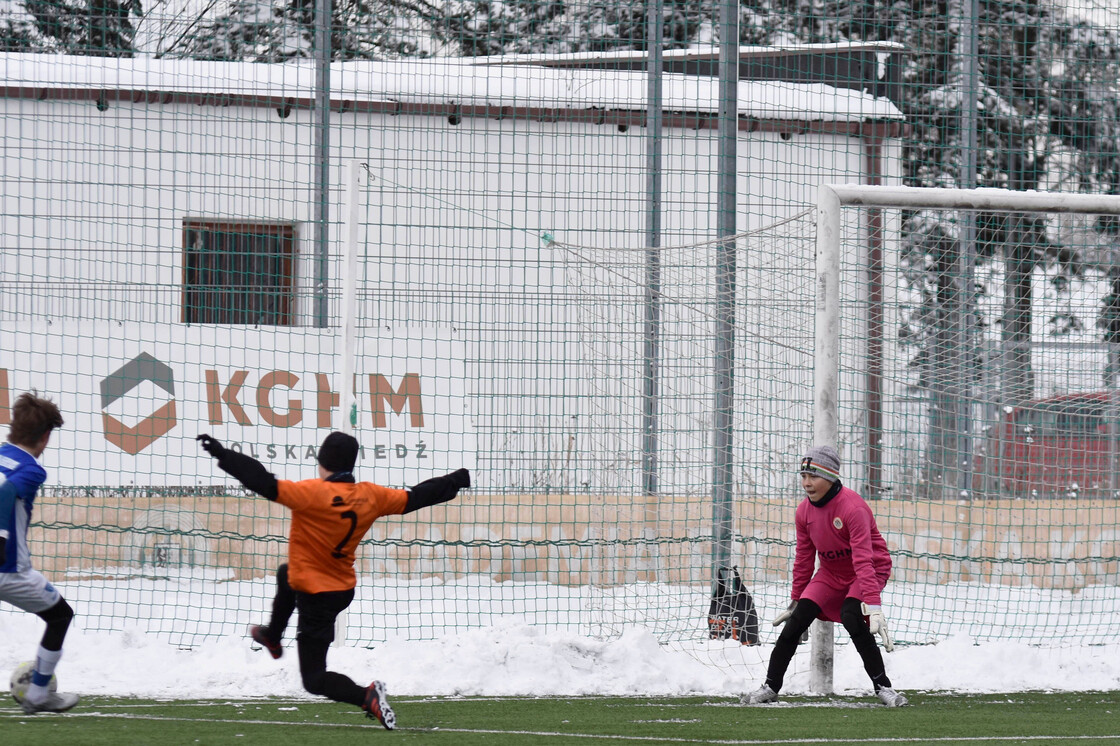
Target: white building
<point>123,179</point>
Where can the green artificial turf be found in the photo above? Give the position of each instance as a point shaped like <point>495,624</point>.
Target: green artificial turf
<point>934,718</point>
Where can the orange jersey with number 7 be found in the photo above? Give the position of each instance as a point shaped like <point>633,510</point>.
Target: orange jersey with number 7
<point>328,521</point>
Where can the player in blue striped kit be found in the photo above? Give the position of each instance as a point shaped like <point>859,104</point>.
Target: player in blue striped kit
<point>32,421</point>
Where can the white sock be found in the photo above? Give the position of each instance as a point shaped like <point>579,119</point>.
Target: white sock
<point>45,662</point>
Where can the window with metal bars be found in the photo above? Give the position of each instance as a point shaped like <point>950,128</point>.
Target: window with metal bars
<point>238,273</point>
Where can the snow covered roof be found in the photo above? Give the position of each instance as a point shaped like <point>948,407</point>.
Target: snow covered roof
<point>468,83</point>
<point>693,53</point>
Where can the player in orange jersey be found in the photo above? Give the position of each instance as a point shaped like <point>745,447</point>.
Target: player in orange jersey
<point>330,515</point>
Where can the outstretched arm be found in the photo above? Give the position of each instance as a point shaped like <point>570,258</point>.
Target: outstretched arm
<point>245,469</point>
<point>437,490</point>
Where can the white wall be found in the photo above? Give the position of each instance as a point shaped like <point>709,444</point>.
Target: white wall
<point>94,203</point>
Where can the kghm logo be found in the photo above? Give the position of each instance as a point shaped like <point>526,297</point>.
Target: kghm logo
<point>118,384</point>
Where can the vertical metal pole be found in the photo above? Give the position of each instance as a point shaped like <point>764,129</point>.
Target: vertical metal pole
<point>873,148</point>
<point>651,349</point>
<point>1112,417</point>
<point>724,404</point>
<point>652,331</point>
<point>1016,373</point>
<point>321,215</point>
<point>321,159</point>
<point>970,12</point>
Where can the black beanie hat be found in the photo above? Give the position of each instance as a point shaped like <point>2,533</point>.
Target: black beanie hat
<point>339,452</point>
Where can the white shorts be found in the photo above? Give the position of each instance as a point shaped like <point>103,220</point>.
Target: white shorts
<point>29,591</point>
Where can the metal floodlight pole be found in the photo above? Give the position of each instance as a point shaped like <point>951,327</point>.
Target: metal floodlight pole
<point>651,351</point>
<point>959,356</point>
<point>651,348</point>
<point>321,161</point>
<point>726,209</point>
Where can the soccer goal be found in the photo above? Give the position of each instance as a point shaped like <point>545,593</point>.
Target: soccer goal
<point>916,330</point>
<point>965,366</point>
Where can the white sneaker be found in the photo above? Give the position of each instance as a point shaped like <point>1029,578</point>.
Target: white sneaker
<point>55,702</point>
<point>759,696</point>
<point>891,698</point>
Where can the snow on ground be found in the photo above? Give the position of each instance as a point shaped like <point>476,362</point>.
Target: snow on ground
<point>510,656</point>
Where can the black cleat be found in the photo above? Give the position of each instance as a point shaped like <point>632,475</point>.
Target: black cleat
<point>377,706</point>
<point>260,636</point>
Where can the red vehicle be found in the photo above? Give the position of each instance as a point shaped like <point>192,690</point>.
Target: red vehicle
<point>1055,447</point>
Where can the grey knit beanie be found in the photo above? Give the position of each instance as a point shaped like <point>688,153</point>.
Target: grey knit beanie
<point>822,461</point>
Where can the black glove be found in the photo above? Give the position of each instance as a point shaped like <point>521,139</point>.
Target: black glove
<point>437,490</point>
<point>211,446</point>
<point>461,478</point>
<point>3,546</point>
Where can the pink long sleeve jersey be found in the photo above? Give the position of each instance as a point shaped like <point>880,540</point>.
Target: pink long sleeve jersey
<point>853,554</point>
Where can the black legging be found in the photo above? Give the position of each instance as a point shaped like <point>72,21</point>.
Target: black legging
<point>851,616</point>
<point>58,619</point>
<point>314,635</point>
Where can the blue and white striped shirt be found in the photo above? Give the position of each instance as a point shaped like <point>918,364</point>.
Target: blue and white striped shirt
<point>21,475</point>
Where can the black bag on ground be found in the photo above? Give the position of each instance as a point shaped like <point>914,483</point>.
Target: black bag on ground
<point>731,615</point>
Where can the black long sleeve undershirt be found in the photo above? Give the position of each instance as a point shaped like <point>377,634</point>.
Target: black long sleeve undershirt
<point>437,490</point>
<point>253,476</point>
<point>250,472</point>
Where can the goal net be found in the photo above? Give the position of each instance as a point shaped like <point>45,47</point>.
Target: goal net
<point>959,348</point>
<point>965,360</point>
<point>648,321</point>
<point>577,379</point>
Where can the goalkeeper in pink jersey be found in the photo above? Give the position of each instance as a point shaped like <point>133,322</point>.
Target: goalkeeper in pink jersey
<point>834,525</point>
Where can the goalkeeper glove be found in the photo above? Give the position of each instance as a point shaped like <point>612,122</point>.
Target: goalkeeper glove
<point>211,446</point>
<point>877,623</point>
<point>785,615</point>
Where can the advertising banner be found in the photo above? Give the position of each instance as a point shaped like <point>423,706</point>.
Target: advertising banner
<point>134,396</point>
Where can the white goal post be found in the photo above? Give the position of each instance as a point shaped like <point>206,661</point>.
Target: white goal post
<point>347,340</point>
<point>831,200</point>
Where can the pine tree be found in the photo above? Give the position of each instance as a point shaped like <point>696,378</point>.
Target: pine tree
<point>1049,118</point>
<point>602,25</point>
<point>488,27</point>
<point>261,31</point>
<point>17,31</point>
<point>99,28</point>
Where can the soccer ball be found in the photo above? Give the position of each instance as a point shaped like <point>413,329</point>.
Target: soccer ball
<point>21,679</point>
